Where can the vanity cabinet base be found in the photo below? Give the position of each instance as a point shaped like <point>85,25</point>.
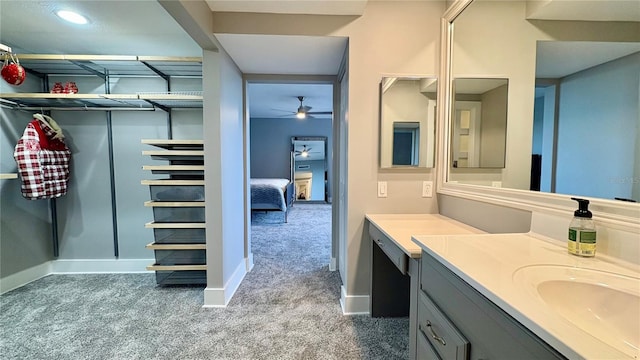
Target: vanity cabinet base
<point>491,332</point>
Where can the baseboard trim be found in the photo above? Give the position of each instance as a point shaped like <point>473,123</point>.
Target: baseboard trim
<point>249,262</point>
<point>24,277</point>
<point>353,304</point>
<point>97,266</point>
<point>333,264</point>
<point>220,297</point>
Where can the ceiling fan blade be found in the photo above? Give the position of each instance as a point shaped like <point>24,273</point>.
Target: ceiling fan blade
<point>320,113</point>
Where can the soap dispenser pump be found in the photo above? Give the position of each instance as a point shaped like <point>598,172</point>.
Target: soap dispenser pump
<point>582,231</point>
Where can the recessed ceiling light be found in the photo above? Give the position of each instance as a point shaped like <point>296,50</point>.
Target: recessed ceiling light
<point>72,17</point>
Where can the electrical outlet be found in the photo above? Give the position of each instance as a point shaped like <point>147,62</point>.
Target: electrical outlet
<point>382,189</point>
<point>427,189</point>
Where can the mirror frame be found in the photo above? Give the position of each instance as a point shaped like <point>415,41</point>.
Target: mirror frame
<point>616,214</point>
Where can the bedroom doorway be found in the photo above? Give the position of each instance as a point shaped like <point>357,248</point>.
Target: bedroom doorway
<point>278,139</point>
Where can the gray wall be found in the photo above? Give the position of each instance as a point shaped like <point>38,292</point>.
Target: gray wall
<point>487,217</point>
<point>271,144</point>
<point>25,231</point>
<point>585,164</point>
<point>85,214</point>
<point>317,169</point>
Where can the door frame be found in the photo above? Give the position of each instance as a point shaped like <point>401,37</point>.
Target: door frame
<point>332,152</point>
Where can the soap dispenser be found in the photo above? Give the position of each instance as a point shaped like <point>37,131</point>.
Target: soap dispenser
<point>582,231</point>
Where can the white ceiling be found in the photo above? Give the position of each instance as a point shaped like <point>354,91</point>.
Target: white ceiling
<point>115,28</point>
<point>286,55</point>
<point>270,54</point>
<point>556,59</point>
<point>584,10</point>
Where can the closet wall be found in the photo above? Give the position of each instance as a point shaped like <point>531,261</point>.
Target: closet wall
<point>85,215</point>
<point>24,224</point>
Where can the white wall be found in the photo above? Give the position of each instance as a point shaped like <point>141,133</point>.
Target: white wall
<point>492,127</point>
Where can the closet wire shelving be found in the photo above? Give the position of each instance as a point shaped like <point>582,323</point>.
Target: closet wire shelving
<point>43,66</point>
<point>104,66</point>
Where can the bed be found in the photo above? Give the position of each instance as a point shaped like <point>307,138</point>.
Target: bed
<point>270,194</point>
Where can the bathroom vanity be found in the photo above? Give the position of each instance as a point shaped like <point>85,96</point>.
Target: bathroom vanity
<point>508,296</point>
<point>395,262</point>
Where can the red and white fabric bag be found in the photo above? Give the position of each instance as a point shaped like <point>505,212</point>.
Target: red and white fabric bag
<point>43,159</point>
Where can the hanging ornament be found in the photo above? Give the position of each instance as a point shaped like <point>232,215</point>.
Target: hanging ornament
<point>12,72</point>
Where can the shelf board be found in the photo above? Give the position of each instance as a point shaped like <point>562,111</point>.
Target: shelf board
<point>192,170</point>
<point>6,176</point>
<point>155,225</point>
<point>139,101</point>
<point>174,144</point>
<point>152,203</point>
<point>176,267</point>
<point>170,182</point>
<point>155,246</point>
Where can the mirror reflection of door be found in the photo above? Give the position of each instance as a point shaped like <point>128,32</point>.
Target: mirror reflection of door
<point>466,148</point>
<point>309,168</point>
<point>406,143</point>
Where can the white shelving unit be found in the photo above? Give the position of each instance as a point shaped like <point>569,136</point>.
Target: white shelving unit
<point>178,203</point>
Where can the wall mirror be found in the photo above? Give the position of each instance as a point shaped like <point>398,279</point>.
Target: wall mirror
<point>570,130</point>
<point>309,167</point>
<point>407,122</point>
<point>479,123</point>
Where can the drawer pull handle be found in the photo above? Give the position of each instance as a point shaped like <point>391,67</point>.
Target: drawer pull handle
<point>434,335</point>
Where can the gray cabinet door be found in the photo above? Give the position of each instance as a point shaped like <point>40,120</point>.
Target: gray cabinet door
<point>492,333</point>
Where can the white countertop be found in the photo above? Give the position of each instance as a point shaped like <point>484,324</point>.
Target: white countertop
<point>488,262</point>
<point>400,227</point>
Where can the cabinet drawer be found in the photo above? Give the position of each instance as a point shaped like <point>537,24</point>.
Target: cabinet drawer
<point>425,351</point>
<point>439,331</point>
<point>395,254</point>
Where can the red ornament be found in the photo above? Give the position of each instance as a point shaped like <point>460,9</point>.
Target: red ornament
<point>57,88</point>
<point>12,72</point>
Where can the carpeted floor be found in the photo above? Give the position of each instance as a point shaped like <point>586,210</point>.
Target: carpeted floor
<point>287,307</point>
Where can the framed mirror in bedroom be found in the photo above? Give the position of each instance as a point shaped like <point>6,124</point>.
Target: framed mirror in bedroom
<point>309,168</point>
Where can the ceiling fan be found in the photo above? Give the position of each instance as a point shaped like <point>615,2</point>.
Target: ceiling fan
<point>303,110</point>
<point>304,152</point>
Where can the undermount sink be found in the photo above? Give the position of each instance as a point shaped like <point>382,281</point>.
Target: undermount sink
<point>604,304</point>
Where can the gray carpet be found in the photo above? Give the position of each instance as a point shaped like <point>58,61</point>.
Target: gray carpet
<point>286,308</point>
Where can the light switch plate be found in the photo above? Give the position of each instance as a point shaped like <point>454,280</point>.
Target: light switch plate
<point>382,189</point>
<point>427,189</point>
